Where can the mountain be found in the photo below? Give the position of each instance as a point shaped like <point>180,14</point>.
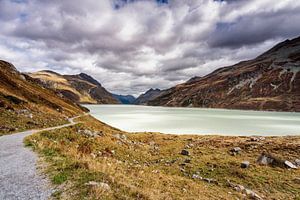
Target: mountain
<point>269,82</point>
<point>144,98</point>
<point>124,99</point>
<point>80,88</point>
<point>25,104</point>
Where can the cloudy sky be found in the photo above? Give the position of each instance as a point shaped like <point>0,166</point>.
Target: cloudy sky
<point>131,46</point>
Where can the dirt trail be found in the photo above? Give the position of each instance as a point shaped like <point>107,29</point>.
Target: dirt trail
<point>19,178</point>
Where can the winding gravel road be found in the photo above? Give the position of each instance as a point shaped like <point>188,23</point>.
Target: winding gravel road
<point>19,178</point>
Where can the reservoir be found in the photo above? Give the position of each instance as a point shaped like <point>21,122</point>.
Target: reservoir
<point>200,121</point>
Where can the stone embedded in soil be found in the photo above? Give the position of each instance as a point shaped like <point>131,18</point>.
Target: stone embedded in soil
<point>242,189</point>
<point>185,152</point>
<point>245,164</point>
<point>104,186</point>
<point>297,162</point>
<point>210,180</point>
<point>290,165</point>
<point>236,150</point>
<point>196,176</point>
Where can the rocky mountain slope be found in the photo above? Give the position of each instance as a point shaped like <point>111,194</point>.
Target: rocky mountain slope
<point>80,88</point>
<point>124,99</point>
<point>147,96</point>
<point>24,104</point>
<point>269,82</point>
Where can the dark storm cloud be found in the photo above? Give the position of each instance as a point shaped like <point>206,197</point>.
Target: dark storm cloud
<point>133,45</point>
<point>249,30</point>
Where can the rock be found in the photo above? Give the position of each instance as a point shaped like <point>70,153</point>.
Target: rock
<point>245,164</point>
<point>104,186</point>
<point>252,194</point>
<point>268,159</point>
<point>89,133</point>
<point>185,152</point>
<point>236,150</point>
<point>288,164</point>
<point>297,162</point>
<point>242,189</point>
<point>239,188</point>
<point>120,136</point>
<point>257,139</point>
<point>187,160</point>
<point>92,183</point>
<point>210,180</point>
<point>196,176</point>
<point>297,180</point>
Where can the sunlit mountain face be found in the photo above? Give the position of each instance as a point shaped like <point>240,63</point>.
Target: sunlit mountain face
<point>131,46</point>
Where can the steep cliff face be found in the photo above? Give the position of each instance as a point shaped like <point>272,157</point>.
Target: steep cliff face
<point>269,82</point>
<point>144,98</point>
<point>80,88</point>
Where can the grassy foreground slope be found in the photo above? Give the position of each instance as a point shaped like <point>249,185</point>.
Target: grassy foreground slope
<point>92,160</point>
<point>25,105</point>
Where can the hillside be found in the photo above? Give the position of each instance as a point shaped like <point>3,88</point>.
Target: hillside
<point>80,88</point>
<point>147,96</point>
<point>124,99</point>
<point>269,82</point>
<point>25,105</point>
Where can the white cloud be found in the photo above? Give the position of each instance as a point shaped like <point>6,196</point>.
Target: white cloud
<point>141,44</point>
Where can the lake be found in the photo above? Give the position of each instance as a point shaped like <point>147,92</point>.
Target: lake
<point>202,121</point>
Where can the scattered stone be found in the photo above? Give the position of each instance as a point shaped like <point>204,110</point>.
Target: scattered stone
<point>188,146</point>
<point>93,155</point>
<point>297,180</point>
<point>92,183</point>
<point>297,162</point>
<point>236,150</point>
<point>246,191</point>
<point>210,180</point>
<point>185,152</point>
<point>268,159</point>
<point>89,133</point>
<point>245,164</point>
<point>196,176</point>
<point>104,186</point>
<point>120,136</point>
<point>288,164</point>
<point>257,139</point>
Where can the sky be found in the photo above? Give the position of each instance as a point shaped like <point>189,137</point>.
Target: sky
<point>130,46</point>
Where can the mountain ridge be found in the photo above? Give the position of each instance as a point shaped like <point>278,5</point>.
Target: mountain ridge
<point>79,88</point>
<point>268,82</point>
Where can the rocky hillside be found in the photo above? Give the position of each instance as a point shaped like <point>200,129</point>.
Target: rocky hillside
<point>80,88</point>
<point>269,82</point>
<point>144,98</point>
<point>124,99</point>
<point>24,104</point>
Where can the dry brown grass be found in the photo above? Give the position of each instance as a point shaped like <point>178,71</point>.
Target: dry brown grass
<point>149,165</point>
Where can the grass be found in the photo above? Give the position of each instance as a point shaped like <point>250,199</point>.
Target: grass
<point>150,166</point>
<point>12,121</point>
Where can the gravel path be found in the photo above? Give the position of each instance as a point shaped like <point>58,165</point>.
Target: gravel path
<point>19,178</point>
